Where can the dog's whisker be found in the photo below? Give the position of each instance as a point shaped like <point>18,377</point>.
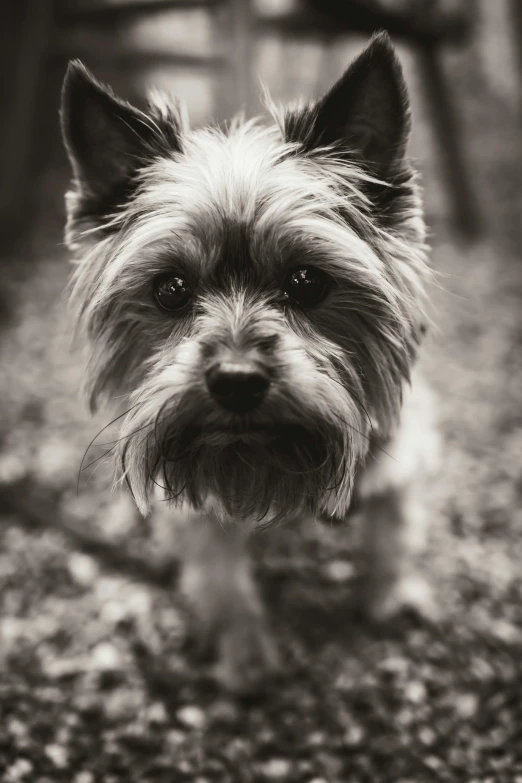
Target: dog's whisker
<point>357,400</point>
<point>373,443</point>
<point>123,437</point>
<point>94,461</point>
<point>343,475</point>
<point>264,515</point>
<point>117,418</point>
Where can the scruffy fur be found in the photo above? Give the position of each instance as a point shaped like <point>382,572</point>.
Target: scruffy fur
<point>231,210</point>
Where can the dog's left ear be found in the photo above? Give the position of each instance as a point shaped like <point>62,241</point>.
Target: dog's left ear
<point>108,140</point>
<point>105,137</point>
<point>365,113</point>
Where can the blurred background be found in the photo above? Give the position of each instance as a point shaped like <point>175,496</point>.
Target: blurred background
<point>96,680</point>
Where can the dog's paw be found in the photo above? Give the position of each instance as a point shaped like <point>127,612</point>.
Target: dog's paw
<point>248,656</point>
<point>409,593</point>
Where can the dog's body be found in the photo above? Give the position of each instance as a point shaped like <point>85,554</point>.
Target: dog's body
<point>258,293</point>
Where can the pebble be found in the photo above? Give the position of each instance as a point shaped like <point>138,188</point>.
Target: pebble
<point>394,665</point>
<point>316,738</point>
<point>84,777</point>
<point>59,668</point>
<point>276,769</point>
<point>122,703</point>
<point>483,670</point>
<point>191,716</point>
<point>506,631</point>
<point>11,628</point>
<point>109,587</point>
<point>415,692</point>
<point>119,516</point>
<point>139,601</point>
<point>238,749</point>
<point>72,719</point>
<point>467,705</point>
<point>57,755</point>
<point>12,468</point>
<point>83,569</point>
<point>265,735</point>
<point>404,717</point>
<point>16,728</point>
<point>339,571</point>
<point>50,695</point>
<point>19,770</point>
<point>354,735</point>
<point>63,736</point>
<point>433,763</point>
<point>224,712</point>
<point>175,738</point>
<point>55,461</point>
<point>427,736</point>
<point>114,612</point>
<point>157,713</point>
<point>87,702</point>
<point>105,657</point>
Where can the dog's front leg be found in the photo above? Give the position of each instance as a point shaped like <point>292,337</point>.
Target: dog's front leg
<point>217,582</point>
<point>394,539</point>
<point>394,493</point>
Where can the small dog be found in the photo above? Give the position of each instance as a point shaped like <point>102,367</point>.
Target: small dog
<point>258,293</point>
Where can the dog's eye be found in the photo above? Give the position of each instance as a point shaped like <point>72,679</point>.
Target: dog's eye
<point>307,286</point>
<point>171,293</point>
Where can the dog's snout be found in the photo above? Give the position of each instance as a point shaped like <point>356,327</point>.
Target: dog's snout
<point>237,387</point>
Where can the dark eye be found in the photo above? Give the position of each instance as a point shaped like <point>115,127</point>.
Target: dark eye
<point>307,286</point>
<point>171,293</point>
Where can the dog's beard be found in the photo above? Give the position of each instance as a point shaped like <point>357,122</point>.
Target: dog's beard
<point>254,470</point>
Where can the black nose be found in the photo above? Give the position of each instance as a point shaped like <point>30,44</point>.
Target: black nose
<point>237,387</point>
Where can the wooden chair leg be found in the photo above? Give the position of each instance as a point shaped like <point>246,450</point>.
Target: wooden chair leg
<point>516,24</point>
<point>327,72</point>
<point>243,53</point>
<point>233,90</point>
<point>23,55</point>
<point>449,138</point>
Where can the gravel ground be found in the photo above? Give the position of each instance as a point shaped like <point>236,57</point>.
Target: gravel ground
<point>97,682</point>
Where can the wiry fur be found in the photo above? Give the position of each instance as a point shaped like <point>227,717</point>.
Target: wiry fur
<point>232,211</point>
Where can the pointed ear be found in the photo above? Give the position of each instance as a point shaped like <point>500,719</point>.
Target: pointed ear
<point>106,138</point>
<point>367,111</point>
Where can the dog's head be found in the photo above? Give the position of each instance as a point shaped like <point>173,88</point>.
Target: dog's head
<point>257,291</point>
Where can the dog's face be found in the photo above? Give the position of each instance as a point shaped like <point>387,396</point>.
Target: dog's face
<point>256,292</point>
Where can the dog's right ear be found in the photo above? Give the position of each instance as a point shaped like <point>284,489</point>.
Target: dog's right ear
<point>366,113</point>
<point>108,140</point>
<point>105,137</point>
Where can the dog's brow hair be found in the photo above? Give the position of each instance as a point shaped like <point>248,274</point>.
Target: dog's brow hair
<point>251,175</point>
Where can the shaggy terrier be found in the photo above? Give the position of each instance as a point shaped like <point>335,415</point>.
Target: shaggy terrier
<point>257,295</point>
